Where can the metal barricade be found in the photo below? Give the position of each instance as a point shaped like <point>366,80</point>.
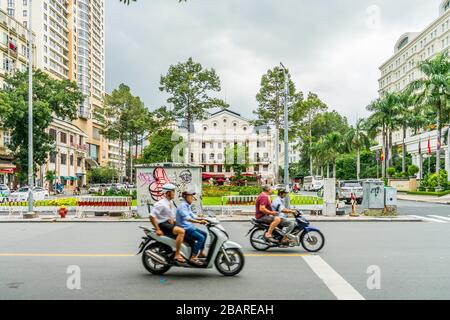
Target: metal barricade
<point>104,205</point>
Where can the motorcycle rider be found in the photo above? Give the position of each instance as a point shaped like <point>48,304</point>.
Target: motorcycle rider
<point>163,215</point>
<point>278,205</point>
<point>265,214</point>
<point>186,219</point>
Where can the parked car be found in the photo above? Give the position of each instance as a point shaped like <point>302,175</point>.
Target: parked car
<point>4,192</point>
<point>96,188</point>
<point>347,188</point>
<point>313,183</point>
<point>22,194</point>
<point>118,187</point>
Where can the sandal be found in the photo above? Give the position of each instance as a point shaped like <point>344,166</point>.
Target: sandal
<point>181,261</point>
<point>196,262</point>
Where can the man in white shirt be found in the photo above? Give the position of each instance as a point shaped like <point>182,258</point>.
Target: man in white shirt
<point>163,218</point>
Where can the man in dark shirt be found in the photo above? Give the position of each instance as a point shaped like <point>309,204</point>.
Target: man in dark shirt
<point>265,214</point>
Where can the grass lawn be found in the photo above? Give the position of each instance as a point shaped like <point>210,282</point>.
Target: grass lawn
<point>212,201</point>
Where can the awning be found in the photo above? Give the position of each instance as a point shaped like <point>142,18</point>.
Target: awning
<point>7,167</point>
<point>212,176</point>
<point>69,178</point>
<point>92,163</point>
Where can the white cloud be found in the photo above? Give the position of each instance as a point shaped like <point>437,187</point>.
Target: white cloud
<point>327,45</point>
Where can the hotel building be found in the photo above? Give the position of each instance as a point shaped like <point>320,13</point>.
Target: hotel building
<point>401,69</point>
<point>225,129</point>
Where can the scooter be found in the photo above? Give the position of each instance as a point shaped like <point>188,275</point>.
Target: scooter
<point>158,252</point>
<point>310,238</point>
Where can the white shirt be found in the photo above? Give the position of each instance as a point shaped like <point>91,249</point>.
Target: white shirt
<point>163,211</point>
<point>278,206</point>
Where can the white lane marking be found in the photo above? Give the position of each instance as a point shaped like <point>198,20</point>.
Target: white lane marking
<point>337,285</point>
<point>428,219</point>
<point>440,217</point>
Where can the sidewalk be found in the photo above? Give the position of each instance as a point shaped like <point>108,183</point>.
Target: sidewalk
<point>427,199</point>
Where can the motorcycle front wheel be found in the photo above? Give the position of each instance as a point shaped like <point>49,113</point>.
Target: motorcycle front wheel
<point>233,265</point>
<point>258,241</point>
<point>312,241</point>
<point>153,266</point>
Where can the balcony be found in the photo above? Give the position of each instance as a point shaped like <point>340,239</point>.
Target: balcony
<point>79,147</point>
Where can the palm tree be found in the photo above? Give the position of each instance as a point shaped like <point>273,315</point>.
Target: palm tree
<point>433,91</point>
<point>383,119</point>
<point>357,139</point>
<point>404,117</point>
<point>334,146</point>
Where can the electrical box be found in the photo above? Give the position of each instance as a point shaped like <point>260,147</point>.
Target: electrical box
<point>391,197</point>
<point>374,198</point>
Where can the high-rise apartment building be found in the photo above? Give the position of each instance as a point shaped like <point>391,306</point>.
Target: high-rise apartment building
<point>70,44</point>
<point>13,57</point>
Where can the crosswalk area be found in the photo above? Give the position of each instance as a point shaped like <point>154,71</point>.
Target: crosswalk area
<point>433,218</point>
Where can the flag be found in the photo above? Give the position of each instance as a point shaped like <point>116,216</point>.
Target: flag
<point>383,156</point>
<point>429,145</point>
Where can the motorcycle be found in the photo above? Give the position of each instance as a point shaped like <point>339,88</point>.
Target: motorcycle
<point>310,238</point>
<point>158,252</point>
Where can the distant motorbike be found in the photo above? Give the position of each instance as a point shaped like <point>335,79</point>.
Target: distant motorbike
<point>158,252</point>
<point>310,238</point>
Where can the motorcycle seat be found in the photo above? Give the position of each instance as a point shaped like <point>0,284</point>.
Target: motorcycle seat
<point>257,221</point>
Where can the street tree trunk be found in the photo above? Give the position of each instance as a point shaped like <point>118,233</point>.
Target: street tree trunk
<point>334,169</point>
<point>404,150</point>
<point>358,164</point>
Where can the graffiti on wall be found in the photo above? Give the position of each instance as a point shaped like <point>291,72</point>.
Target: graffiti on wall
<point>150,182</point>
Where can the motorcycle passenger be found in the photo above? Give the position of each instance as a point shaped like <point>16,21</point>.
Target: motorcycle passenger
<point>163,215</point>
<point>265,214</point>
<point>278,205</point>
<point>186,219</point>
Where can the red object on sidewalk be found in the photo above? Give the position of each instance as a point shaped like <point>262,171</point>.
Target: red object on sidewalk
<point>62,212</point>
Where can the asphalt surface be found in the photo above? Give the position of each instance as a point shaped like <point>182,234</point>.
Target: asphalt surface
<point>412,258</point>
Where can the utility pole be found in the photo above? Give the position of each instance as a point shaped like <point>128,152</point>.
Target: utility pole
<point>30,109</point>
<point>286,133</point>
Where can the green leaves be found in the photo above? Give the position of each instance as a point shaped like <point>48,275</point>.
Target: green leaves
<point>189,87</point>
<point>270,99</point>
<point>50,98</point>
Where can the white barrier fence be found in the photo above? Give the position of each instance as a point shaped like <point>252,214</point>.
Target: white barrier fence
<point>104,205</point>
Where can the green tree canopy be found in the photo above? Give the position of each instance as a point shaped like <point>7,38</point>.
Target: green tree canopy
<point>51,98</point>
<point>162,143</point>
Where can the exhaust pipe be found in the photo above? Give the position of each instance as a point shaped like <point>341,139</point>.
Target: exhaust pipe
<point>155,257</point>
<point>260,242</point>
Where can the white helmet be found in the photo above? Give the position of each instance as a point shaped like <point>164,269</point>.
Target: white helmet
<point>169,187</point>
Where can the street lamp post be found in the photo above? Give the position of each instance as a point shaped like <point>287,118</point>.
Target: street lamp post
<point>286,133</point>
<point>30,109</point>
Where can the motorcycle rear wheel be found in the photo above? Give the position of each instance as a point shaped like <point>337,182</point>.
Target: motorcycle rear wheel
<point>258,235</point>
<point>155,267</point>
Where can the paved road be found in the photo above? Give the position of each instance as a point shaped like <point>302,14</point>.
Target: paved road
<point>413,259</point>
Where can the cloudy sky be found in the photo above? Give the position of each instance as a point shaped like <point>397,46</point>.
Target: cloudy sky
<point>332,47</point>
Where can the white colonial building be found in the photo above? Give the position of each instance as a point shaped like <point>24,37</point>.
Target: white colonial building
<point>224,129</point>
<point>401,69</point>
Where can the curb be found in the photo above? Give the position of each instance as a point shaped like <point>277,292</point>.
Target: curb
<point>231,220</point>
<point>425,201</point>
